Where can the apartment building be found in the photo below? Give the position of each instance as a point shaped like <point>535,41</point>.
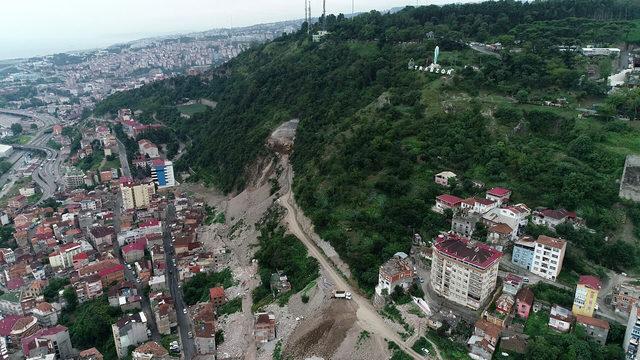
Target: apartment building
<point>130,330</point>
<point>136,196</point>
<point>624,297</point>
<point>586,297</point>
<point>162,173</point>
<point>63,258</point>
<point>548,255</point>
<point>632,334</point>
<point>464,271</point>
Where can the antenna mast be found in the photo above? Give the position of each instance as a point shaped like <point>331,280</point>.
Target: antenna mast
<point>352,7</point>
<point>309,26</point>
<point>324,14</point>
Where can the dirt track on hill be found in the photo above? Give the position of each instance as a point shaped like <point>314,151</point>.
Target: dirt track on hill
<point>367,317</point>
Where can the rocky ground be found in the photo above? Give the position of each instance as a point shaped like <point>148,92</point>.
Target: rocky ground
<point>322,328</point>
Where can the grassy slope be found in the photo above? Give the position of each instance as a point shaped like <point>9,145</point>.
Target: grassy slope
<point>364,172</point>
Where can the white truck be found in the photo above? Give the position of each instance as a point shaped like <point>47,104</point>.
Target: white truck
<point>339,294</point>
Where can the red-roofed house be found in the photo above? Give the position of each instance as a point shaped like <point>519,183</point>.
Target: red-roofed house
<point>7,323</point>
<point>524,302</point>
<point>481,206</point>
<point>18,202</point>
<point>548,256</point>
<point>24,327</point>
<point>134,251</point>
<point>265,327</point>
<point>22,220</point>
<point>15,284</point>
<point>499,195</point>
<point>46,314</point>
<point>597,329</point>
<point>217,296</point>
<point>552,218</point>
<point>80,260</point>
<point>446,201</point>
<point>53,340</point>
<point>101,234</point>
<point>112,274</point>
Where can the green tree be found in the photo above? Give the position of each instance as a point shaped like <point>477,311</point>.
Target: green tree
<point>71,298</point>
<point>16,129</point>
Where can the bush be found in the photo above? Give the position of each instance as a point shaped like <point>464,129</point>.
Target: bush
<point>197,288</point>
<point>231,307</point>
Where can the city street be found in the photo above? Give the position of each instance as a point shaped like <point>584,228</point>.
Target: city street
<point>184,322</point>
<point>130,275</point>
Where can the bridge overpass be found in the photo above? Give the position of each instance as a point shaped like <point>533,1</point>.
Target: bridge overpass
<point>45,119</point>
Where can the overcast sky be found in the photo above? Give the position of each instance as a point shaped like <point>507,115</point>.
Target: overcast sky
<point>39,27</point>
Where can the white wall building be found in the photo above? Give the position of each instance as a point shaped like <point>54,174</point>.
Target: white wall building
<point>464,271</point>
<point>548,255</point>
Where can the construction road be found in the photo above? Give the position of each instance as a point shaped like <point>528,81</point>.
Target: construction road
<point>367,316</point>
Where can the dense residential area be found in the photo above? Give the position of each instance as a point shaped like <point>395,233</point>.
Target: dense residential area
<point>430,182</point>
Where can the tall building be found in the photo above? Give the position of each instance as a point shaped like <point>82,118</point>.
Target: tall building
<point>136,196</point>
<point>73,178</point>
<point>586,298</point>
<point>632,335</point>
<point>162,173</point>
<point>464,271</point>
<point>548,255</point>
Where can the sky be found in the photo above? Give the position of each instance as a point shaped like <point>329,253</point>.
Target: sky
<point>41,27</point>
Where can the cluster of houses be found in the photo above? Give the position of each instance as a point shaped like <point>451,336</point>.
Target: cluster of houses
<point>503,321</point>
<point>100,138</point>
<point>464,271</point>
<point>505,224</point>
<point>107,240</point>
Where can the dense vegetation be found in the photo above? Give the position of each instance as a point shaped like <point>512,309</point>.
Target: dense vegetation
<point>546,343</point>
<point>196,289</point>
<point>51,291</point>
<point>373,133</point>
<point>90,326</point>
<point>281,252</point>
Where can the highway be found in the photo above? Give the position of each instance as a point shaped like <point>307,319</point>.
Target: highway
<point>47,176</point>
<point>184,322</point>
<point>45,120</point>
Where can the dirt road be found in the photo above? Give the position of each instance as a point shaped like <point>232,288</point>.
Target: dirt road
<point>368,318</point>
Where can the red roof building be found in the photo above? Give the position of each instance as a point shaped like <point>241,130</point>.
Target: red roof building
<point>590,281</point>
<point>217,296</point>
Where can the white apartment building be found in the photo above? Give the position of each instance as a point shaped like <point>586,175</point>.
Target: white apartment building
<point>464,271</point>
<point>63,258</point>
<point>548,255</point>
<point>130,330</point>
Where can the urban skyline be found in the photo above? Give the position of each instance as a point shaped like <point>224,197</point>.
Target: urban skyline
<point>53,27</point>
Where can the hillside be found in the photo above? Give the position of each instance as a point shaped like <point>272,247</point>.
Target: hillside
<point>373,133</point>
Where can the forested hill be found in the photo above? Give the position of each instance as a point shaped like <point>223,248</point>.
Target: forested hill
<point>373,132</point>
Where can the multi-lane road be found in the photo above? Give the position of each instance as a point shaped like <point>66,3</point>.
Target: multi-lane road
<point>46,176</point>
<point>171,274</point>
